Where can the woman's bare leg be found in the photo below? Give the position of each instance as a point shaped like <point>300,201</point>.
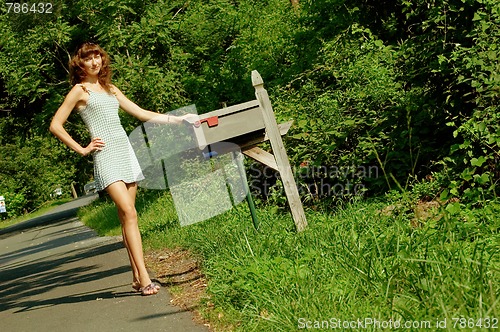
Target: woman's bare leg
<point>124,197</point>
<point>135,272</point>
<point>132,191</point>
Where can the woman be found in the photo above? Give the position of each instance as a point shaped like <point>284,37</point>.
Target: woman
<point>116,168</point>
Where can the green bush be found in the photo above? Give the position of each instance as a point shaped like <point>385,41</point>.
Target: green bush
<point>15,204</point>
<point>475,159</point>
<point>32,170</point>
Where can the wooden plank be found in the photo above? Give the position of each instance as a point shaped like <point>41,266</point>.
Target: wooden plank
<point>279,151</point>
<point>261,156</point>
<point>283,129</point>
<point>249,141</point>
<point>231,109</point>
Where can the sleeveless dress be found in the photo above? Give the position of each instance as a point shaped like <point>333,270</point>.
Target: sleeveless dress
<point>117,160</point>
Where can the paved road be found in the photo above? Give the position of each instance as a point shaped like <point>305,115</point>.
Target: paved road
<point>56,275</point>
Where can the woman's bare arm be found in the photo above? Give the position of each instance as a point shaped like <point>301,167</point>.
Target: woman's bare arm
<point>75,97</point>
<point>144,115</point>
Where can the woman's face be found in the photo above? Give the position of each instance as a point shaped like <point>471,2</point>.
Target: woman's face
<point>92,64</point>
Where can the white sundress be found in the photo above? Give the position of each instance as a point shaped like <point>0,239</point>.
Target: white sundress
<point>117,160</point>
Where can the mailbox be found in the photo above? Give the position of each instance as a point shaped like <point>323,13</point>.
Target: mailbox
<point>217,133</point>
<point>230,123</point>
<point>247,125</point>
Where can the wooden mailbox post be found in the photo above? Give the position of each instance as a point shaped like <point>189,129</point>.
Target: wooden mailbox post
<point>247,125</point>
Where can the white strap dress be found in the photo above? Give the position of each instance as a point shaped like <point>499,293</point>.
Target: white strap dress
<point>117,160</point>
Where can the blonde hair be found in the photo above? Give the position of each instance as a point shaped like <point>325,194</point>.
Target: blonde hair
<point>76,68</point>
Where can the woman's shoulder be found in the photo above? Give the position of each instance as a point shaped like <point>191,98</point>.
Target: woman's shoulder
<point>79,96</point>
<point>78,89</point>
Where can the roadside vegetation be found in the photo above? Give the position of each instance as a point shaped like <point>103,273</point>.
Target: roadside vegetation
<point>386,259</point>
<point>45,208</point>
<point>395,145</point>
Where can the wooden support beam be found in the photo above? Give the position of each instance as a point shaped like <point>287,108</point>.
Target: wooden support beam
<point>261,156</point>
<point>252,140</point>
<point>279,152</point>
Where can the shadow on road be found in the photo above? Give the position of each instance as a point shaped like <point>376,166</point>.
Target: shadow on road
<point>21,281</point>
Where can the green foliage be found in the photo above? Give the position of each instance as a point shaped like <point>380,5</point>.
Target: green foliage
<point>31,171</point>
<point>477,156</point>
<point>14,203</point>
<point>353,113</point>
<point>407,88</point>
<point>30,62</point>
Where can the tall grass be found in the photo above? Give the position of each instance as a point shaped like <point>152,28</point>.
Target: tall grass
<point>353,263</point>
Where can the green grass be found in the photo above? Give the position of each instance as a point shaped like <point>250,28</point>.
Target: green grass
<point>351,263</point>
<point>42,210</point>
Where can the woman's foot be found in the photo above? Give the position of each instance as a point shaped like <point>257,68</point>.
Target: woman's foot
<point>150,289</point>
<point>154,287</point>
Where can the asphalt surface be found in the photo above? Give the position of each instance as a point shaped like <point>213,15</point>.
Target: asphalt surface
<point>57,275</point>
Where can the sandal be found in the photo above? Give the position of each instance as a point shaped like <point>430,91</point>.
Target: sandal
<point>136,286</point>
<point>150,289</point>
